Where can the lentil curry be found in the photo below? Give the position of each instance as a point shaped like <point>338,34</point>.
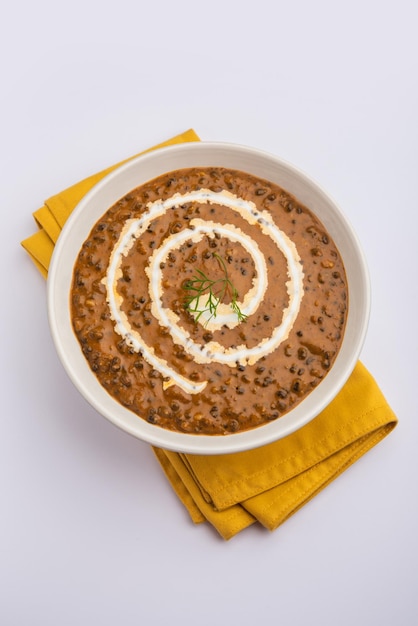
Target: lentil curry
<point>209,301</point>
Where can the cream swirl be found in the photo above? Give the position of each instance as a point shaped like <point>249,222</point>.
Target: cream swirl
<point>212,351</point>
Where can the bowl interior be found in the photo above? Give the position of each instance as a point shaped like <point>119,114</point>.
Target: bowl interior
<point>144,168</point>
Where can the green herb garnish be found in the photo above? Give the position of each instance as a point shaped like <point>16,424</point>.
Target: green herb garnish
<point>205,294</point>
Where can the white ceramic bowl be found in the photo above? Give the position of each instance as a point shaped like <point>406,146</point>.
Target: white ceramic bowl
<point>147,167</point>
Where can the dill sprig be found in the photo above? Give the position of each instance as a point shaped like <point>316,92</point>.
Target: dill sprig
<point>205,294</point>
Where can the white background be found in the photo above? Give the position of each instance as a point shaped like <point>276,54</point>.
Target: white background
<point>90,530</point>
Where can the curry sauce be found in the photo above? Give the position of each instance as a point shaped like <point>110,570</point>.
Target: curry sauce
<point>209,301</point>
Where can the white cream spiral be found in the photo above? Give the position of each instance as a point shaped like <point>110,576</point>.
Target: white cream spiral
<point>212,351</point>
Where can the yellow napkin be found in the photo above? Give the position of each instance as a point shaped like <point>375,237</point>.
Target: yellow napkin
<point>269,484</point>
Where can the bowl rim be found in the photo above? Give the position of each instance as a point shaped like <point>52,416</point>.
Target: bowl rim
<point>86,382</point>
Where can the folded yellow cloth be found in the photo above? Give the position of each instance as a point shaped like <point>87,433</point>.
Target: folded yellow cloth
<point>268,484</point>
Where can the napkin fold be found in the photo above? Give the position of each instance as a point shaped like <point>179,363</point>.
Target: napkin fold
<point>266,485</point>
